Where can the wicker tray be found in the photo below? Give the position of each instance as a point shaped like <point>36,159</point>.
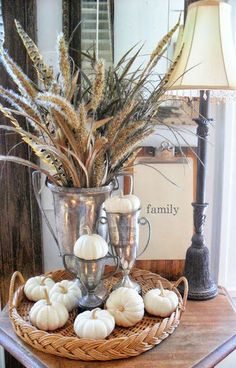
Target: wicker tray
<point>122,343</point>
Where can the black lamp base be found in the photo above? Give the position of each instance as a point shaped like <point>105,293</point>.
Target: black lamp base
<point>197,271</point>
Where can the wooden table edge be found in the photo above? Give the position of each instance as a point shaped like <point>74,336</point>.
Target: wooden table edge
<point>216,356</point>
<point>18,351</point>
<point>233,305</point>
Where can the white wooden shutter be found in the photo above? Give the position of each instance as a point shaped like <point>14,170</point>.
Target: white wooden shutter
<point>1,25</point>
<point>96,30</point>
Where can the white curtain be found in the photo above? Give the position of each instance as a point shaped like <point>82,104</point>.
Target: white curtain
<point>224,216</point>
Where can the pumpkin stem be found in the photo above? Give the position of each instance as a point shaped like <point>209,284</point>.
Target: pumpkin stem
<point>161,288</point>
<point>93,316</point>
<point>87,228</point>
<point>63,289</point>
<point>42,281</point>
<point>121,308</point>
<point>47,297</point>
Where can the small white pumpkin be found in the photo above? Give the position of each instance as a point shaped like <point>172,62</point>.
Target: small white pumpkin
<point>66,292</point>
<point>95,324</point>
<point>126,305</point>
<point>122,204</point>
<point>47,315</point>
<point>35,286</point>
<point>160,302</point>
<point>90,246</point>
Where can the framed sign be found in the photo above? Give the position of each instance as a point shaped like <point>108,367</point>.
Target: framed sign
<point>166,193</point>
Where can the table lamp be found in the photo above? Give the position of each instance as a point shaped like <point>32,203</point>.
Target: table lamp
<point>207,63</point>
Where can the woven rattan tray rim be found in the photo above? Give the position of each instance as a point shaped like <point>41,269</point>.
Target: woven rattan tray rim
<point>86,349</point>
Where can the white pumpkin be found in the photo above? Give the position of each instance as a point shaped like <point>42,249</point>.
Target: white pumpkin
<point>126,305</point>
<point>90,246</point>
<point>95,324</point>
<point>66,292</point>
<point>35,286</point>
<point>160,302</point>
<point>122,204</point>
<point>47,315</point>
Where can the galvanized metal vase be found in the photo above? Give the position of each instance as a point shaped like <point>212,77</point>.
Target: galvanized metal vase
<point>75,210</point>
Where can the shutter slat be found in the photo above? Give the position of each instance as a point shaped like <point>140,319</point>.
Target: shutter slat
<point>1,25</point>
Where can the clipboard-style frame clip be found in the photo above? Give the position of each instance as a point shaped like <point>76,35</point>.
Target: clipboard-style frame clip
<point>166,151</point>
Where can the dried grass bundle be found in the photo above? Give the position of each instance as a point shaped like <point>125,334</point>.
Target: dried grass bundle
<point>87,129</point>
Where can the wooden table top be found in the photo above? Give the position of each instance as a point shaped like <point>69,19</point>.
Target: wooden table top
<point>206,335</point>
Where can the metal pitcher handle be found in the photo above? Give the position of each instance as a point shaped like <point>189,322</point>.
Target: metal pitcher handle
<point>112,273</point>
<point>144,221</point>
<point>36,176</point>
<point>115,184</point>
<point>68,267</point>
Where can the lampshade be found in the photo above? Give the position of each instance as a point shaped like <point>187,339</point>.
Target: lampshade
<point>208,59</point>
